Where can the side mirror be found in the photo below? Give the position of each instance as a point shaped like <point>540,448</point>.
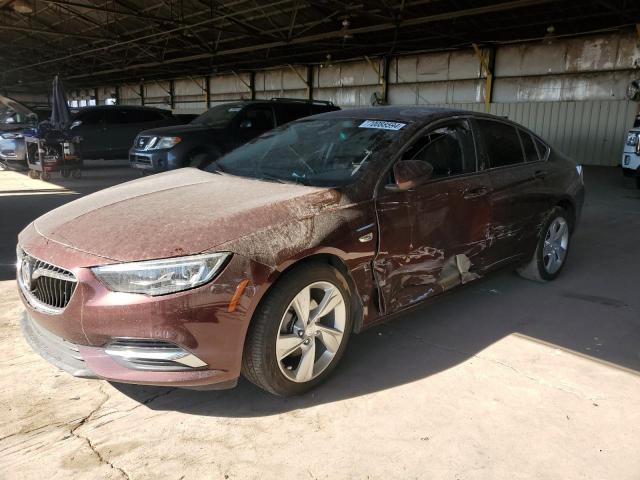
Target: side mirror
<point>246,124</point>
<point>75,124</point>
<point>410,174</point>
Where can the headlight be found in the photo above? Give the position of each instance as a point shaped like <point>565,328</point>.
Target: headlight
<point>158,143</point>
<point>9,136</point>
<point>159,277</point>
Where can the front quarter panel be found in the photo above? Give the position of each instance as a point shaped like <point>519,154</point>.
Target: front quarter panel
<point>334,231</point>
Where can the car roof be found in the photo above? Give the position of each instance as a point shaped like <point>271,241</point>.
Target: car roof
<point>412,114</point>
<point>400,113</point>
<point>281,101</point>
<point>113,107</point>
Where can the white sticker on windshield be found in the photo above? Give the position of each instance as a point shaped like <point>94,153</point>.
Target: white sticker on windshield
<point>381,124</point>
<point>234,109</point>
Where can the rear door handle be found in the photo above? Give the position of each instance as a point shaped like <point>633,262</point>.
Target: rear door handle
<point>540,174</point>
<point>475,192</point>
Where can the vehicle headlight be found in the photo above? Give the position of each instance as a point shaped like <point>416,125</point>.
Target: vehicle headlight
<point>9,136</point>
<point>158,143</point>
<point>159,277</point>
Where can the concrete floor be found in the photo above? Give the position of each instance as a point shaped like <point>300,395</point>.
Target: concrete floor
<point>505,379</point>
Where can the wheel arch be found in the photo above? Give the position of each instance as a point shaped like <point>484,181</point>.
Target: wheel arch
<point>326,258</point>
<point>568,205</point>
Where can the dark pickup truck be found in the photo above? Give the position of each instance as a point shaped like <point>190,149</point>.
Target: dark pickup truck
<point>216,132</point>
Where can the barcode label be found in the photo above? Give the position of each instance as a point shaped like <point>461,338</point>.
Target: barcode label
<point>381,124</point>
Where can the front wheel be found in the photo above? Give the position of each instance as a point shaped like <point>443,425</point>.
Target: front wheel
<point>300,331</point>
<point>552,249</point>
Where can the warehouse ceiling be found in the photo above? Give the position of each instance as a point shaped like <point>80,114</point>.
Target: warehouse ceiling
<point>97,42</point>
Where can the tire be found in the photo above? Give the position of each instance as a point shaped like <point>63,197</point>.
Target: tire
<point>275,324</point>
<point>65,173</point>
<point>45,176</point>
<point>33,174</point>
<point>76,173</point>
<point>552,248</point>
<point>203,160</point>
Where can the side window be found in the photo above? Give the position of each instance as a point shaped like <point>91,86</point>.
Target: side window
<point>134,116</point>
<point>501,143</point>
<point>530,152</point>
<point>286,113</point>
<point>117,116</point>
<point>150,116</point>
<point>93,117</point>
<point>449,149</point>
<point>543,149</point>
<point>256,119</point>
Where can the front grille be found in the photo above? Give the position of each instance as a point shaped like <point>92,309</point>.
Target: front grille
<point>46,287</point>
<point>139,159</point>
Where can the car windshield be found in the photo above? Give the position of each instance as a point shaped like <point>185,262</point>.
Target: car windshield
<point>317,152</point>
<point>218,116</point>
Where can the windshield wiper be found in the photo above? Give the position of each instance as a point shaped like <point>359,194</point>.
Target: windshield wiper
<point>269,178</point>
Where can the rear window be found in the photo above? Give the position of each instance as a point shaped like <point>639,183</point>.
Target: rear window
<point>543,149</point>
<point>501,143</point>
<point>530,151</point>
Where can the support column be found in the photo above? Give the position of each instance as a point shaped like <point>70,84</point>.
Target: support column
<point>487,62</point>
<point>309,82</point>
<point>172,99</point>
<point>207,91</point>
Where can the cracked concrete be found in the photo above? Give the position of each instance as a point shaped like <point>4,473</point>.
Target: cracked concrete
<point>505,379</point>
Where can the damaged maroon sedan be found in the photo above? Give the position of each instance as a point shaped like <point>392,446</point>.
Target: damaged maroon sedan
<point>265,264</point>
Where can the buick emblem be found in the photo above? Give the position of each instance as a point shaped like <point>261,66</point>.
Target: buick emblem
<point>26,273</point>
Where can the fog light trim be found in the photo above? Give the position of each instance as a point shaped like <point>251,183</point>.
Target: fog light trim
<point>149,354</point>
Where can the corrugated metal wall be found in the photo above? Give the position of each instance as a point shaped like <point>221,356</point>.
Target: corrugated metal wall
<point>570,91</point>
<point>591,132</point>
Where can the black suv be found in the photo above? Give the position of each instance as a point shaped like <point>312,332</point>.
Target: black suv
<point>215,132</point>
<point>107,131</point>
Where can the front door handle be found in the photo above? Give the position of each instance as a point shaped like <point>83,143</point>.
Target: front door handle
<point>540,174</point>
<point>475,192</point>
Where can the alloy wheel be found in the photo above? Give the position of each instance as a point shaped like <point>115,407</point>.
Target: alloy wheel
<point>311,331</point>
<point>555,246</point>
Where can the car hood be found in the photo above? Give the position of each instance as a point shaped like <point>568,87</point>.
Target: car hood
<point>178,130</point>
<point>182,212</point>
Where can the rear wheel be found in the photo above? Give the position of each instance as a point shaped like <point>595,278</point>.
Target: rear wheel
<point>300,331</point>
<point>552,249</point>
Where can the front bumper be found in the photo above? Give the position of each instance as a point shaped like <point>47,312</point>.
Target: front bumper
<point>153,161</point>
<point>199,321</point>
<point>12,151</point>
